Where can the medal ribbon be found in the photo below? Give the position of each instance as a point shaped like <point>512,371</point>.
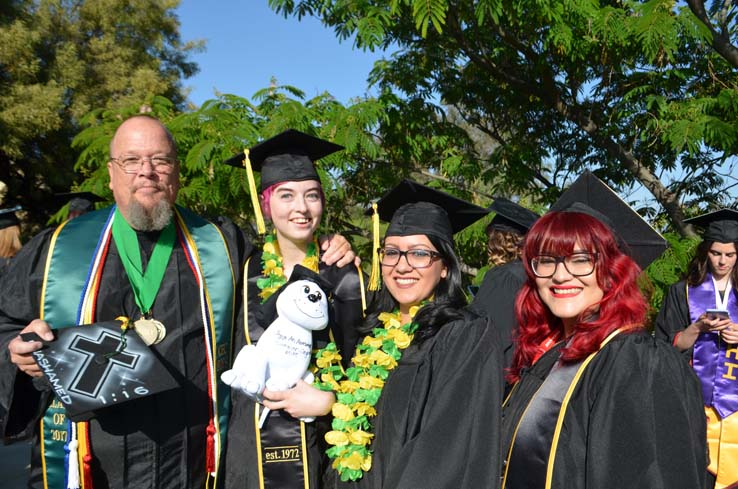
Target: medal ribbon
<point>546,345</point>
<point>146,284</point>
<point>713,361</point>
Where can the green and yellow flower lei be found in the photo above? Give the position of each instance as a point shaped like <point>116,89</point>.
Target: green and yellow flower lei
<point>358,390</point>
<point>271,265</point>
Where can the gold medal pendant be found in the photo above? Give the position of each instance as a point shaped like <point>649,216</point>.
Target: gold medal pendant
<point>150,330</point>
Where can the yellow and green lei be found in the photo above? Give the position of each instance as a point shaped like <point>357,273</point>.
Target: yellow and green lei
<point>358,390</point>
<point>272,270</point>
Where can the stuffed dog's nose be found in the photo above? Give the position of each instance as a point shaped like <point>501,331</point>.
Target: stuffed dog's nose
<point>314,297</point>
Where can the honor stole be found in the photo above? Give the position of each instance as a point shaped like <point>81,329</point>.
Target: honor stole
<point>716,364</point>
<point>72,273</point>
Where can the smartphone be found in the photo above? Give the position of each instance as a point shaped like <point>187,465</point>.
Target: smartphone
<point>717,314</point>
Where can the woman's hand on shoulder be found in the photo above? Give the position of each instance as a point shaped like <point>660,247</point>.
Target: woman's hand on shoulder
<point>337,250</point>
<point>303,400</point>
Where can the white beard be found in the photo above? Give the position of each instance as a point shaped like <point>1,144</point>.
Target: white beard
<point>142,219</point>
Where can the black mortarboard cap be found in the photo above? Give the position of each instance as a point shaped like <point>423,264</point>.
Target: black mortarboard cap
<point>78,201</point>
<point>8,217</point>
<point>288,156</point>
<point>87,375</point>
<point>720,226</point>
<point>510,216</point>
<point>412,208</point>
<point>644,243</point>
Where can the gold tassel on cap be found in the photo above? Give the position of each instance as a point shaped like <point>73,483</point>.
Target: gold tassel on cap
<point>374,277</point>
<point>260,227</point>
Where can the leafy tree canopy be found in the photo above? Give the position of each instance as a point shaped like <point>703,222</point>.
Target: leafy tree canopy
<point>59,59</point>
<point>224,126</point>
<point>640,92</point>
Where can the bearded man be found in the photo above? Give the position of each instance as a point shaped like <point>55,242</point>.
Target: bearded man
<point>177,277</point>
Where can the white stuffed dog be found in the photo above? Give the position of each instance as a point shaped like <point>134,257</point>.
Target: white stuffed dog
<point>282,355</point>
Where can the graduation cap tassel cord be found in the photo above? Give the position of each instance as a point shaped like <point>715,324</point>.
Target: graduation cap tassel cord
<point>72,460</point>
<point>374,277</point>
<point>260,226</point>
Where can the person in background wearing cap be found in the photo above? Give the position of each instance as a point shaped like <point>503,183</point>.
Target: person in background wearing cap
<point>697,316</point>
<point>79,202</point>
<point>496,296</point>
<point>177,277</point>
<point>291,197</point>
<point>597,402</point>
<point>506,231</point>
<point>420,405</point>
<point>10,242</point>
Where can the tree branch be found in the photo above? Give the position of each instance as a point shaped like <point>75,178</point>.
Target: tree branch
<point>548,91</point>
<point>720,40</point>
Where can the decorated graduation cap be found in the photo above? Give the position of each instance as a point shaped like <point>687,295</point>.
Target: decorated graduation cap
<point>287,157</point>
<point>510,216</point>
<point>720,226</point>
<point>79,202</point>
<point>94,366</point>
<point>8,217</point>
<point>590,195</point>
<point>412,208</point>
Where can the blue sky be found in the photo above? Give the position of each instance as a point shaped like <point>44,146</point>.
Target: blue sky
<point>247,43</point>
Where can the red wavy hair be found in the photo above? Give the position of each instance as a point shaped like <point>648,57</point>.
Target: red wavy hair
<point>622,304</point>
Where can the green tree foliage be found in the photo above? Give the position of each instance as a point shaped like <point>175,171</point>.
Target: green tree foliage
<point>59,59</point>
<point>670,268</point>
<point>630,89</point>
<point>223,127</point>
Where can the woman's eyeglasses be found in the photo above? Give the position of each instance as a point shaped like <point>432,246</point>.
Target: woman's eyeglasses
<point>577,264</point>
<point>418,258</point>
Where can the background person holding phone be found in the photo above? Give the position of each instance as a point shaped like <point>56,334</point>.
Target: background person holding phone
<point>698,317</point>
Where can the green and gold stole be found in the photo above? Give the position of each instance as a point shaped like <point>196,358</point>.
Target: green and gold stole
<point>77,251</point>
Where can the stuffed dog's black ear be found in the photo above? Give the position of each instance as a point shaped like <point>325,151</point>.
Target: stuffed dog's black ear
<point>269,307</point>
<point>302,273</point>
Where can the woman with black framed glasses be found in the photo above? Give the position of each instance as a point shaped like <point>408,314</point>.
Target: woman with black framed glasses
<point>420,405</point>
<point>597,402</point>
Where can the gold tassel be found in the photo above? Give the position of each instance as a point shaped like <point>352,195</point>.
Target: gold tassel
<point>374,277</point>
<point>260,227</point>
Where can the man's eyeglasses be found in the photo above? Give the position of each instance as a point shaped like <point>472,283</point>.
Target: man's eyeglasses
<point>578,264</point>
<point>417,258</point>
<point>133,164</point>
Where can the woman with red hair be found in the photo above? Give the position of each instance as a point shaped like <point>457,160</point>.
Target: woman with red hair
<point>597,402</point>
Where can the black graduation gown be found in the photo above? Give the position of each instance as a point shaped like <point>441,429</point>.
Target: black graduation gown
<point>437,423</point>
<point>634,420</point>
<point>4,263</point>
<point>674,315</point>
<point>346,314</point>
<point>672,319</point>
<point>153,442</point>
<point>496,300</point>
